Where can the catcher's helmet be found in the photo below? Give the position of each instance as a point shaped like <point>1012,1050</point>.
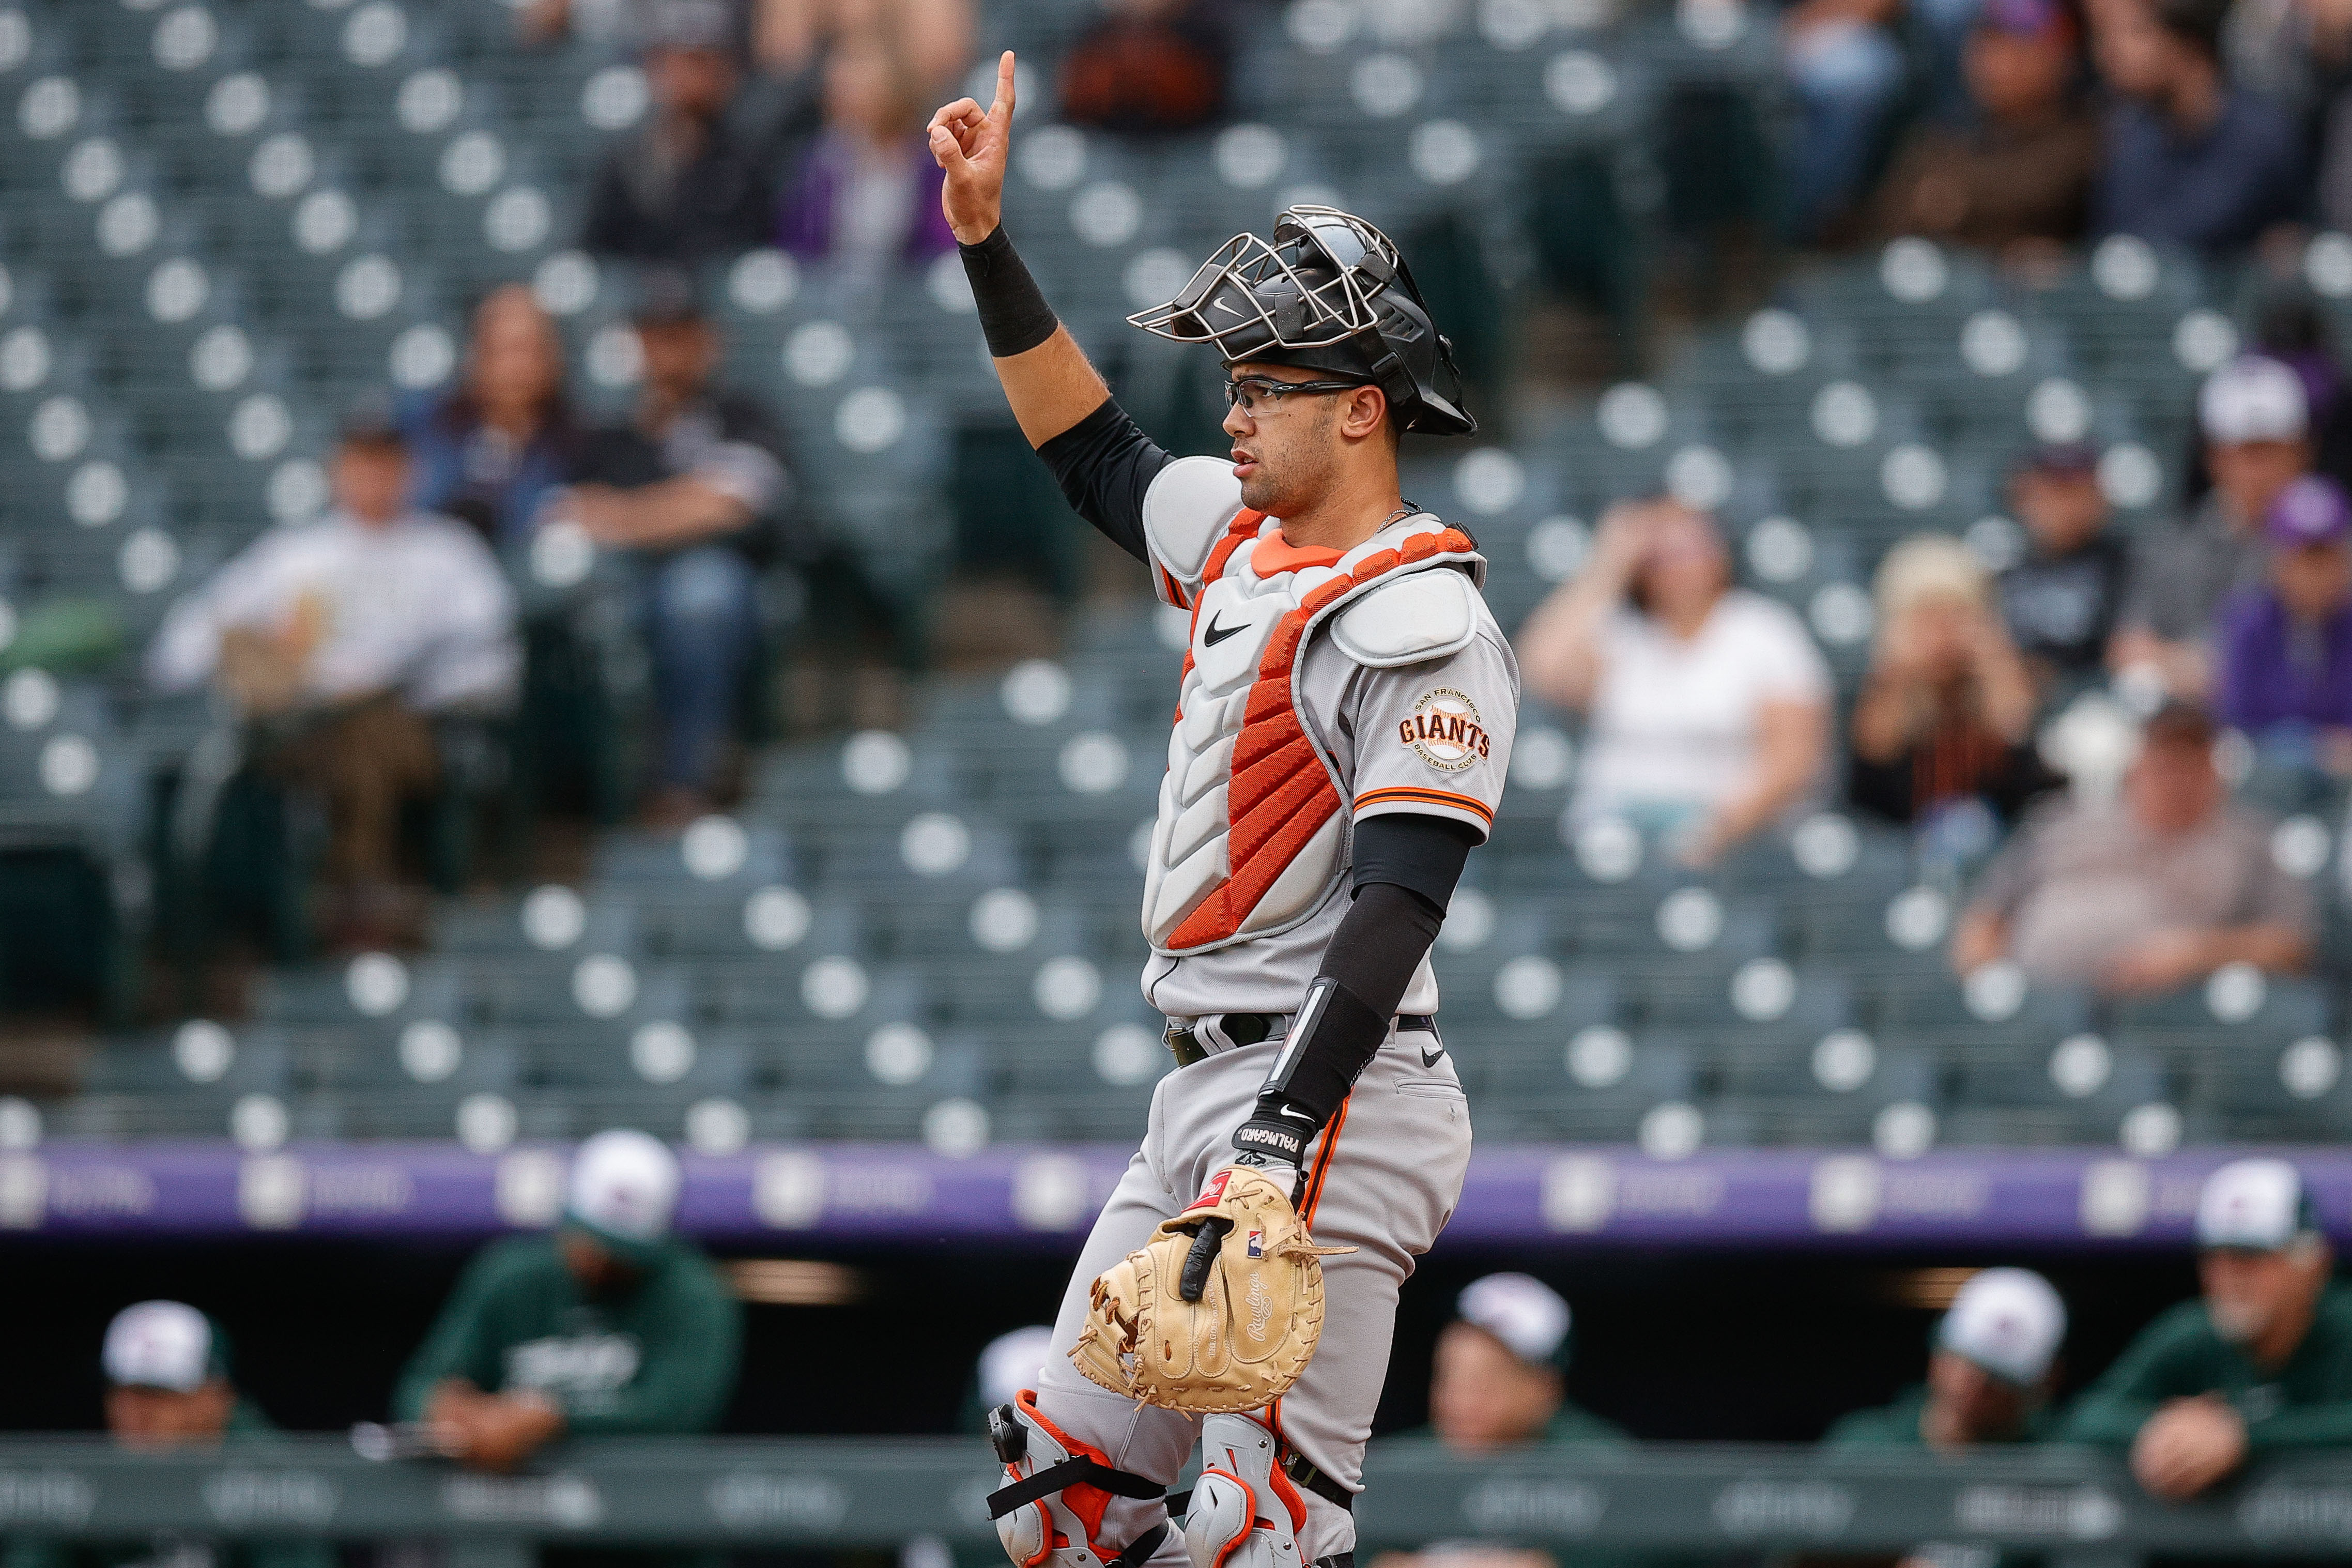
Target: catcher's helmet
<point>1330,293</point>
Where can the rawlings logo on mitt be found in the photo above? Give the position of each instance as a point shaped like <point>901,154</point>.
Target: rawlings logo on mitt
<point>1219,1311</point>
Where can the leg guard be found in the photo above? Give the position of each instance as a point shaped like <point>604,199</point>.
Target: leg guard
<point>1049,1512</point>
<point>1245,1513</point>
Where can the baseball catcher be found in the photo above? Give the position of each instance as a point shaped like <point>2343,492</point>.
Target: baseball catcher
<point>1343,726</point>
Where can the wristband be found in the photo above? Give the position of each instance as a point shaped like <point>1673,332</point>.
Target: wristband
<point>1013,315</point>
<point>1273,1140</point>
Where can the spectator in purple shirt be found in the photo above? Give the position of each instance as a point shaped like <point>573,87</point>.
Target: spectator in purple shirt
<point>867,196</point>
<point>2191,160</point>
<point>2286,646</point>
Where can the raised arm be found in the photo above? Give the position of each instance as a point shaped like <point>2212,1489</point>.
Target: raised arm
<point>1559,647</point>
<point>1046,375</point>
<point>1102,461</point>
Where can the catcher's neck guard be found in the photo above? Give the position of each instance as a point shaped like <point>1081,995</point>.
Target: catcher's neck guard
<point>1329,292</point>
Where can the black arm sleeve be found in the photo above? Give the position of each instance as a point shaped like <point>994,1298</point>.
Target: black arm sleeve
<point>1406,866</point>
<point>1422,853</point>
<point>1104,463</point>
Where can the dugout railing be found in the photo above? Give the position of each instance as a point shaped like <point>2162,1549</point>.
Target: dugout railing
<point>2073,1506</point>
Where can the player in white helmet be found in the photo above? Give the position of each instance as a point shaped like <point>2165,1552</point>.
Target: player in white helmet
<point>1345,716</point>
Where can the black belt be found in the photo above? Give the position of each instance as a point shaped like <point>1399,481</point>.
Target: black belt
<point>1252,1029</point>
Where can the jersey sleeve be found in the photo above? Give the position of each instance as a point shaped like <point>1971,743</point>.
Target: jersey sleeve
<point>1105,464</point>
<point>1434,738</point>
<point>463,1342</point>
<point>2161,1364</point>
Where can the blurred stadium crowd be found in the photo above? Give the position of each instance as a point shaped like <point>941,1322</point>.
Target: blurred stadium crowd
<point>443,423</point>
<point>1914,476</point>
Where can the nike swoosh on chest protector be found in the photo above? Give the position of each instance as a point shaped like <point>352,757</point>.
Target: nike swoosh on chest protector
<point>1214,634</point>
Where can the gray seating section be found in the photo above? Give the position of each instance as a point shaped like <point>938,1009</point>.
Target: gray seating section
<point>226,217</point>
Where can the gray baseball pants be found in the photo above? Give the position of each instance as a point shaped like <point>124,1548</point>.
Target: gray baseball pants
<point>1383,1179</point>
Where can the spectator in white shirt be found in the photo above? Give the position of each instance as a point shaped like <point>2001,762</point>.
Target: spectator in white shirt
<point>341,640</point>
<point>1707,706</point>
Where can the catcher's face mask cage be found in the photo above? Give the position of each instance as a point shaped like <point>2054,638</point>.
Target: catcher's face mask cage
<point>1329,292</point>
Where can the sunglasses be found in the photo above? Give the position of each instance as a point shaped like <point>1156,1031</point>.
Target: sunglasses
<point>1254,394</point>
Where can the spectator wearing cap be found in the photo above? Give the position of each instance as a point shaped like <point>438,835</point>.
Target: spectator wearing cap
<point>2059,601</point>
<point>866,196</point>
<point>2144,893</point>
<point>1149,67</point>
<point>2254,416</point>
<point>2260,1364</point>
<point>1707,705</point>
<point>693,486</point>
<point>1498,1383</point>
<point>1989,1373</point>
<point>688,184</point>
<point>168,1386</point>
<point>344,643</point>
<point>2016,175</point>
<point>2189,160</point>
<point>2293,326</point>
<point>1946,714</point>
<point>492,452</point>
<point>1499,1377</point>
<point>2286,647</point>
<point>612,1325</point>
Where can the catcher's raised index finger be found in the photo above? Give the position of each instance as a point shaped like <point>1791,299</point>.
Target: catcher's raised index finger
<point>1004,95</point>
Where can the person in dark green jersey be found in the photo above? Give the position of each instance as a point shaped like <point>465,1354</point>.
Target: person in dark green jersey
<point>610,1326</point>
<point>1989,1373</point>
<point>1499,1384</point>
<point>1499,1377</point>
<point>2262,1364</point>
<point>168,1387</point>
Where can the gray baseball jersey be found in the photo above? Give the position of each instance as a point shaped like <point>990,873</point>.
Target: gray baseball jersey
<point>1320,688</point>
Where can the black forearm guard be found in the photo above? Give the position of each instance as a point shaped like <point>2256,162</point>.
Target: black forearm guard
<point>1013,315</point>
<point>1332,1039</point>
<point>1344,1021</point>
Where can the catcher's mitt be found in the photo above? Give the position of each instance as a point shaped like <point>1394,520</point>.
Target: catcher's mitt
<point>1219,1311</point>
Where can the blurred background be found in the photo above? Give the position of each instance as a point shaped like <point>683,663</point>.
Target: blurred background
<point>523,612</point>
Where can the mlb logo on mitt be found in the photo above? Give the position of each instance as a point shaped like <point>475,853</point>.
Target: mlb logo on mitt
<point>1257,1244</point>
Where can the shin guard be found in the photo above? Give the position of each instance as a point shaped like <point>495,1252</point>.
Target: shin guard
<point>1049,1513</point>
<point>1245,1513</point>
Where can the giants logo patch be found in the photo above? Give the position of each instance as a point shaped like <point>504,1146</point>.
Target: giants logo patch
<point>1444,730</point>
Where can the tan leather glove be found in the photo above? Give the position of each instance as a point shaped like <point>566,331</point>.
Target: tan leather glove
<point>1219,1311</point>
